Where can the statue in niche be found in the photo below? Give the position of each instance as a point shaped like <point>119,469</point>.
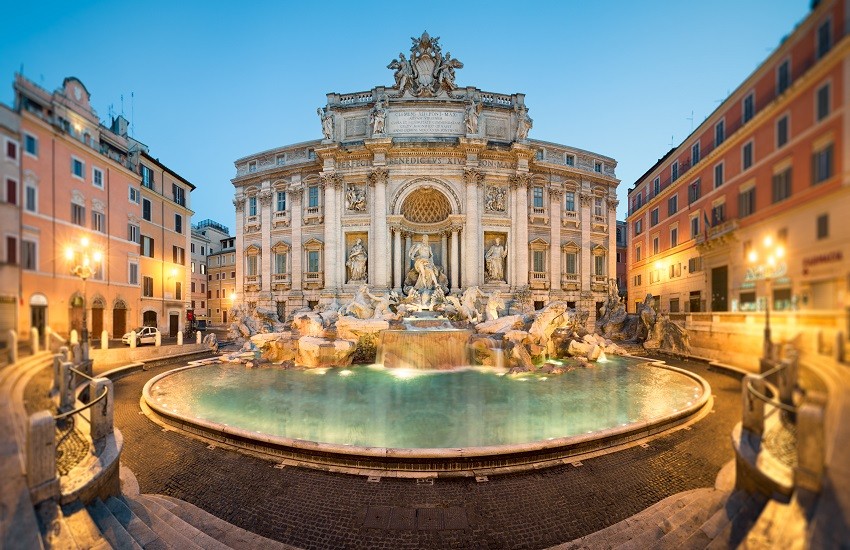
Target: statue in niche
<point>327,122</point>
<point>356,262</point>
<point>379,114</point>
<point>524,123</point>
<point>495,200</point>
<point>473,112</point>
<point>495,260</point>
<point>355,198</point>
<point>423,263</point>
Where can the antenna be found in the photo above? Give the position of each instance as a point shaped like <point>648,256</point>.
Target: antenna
<point>671,142</point>
<point>132,113</point>
<point>691,118</point>
<point>122,104</point>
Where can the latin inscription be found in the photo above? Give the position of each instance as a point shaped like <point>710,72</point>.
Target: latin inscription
<point>496,164</point>
<point>425,122</point>
<point>426,160</point>
<point>355,127</point>
<point>357,163</point>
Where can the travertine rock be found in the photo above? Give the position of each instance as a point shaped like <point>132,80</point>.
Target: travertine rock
<point>320,352</point>
<point>502,324</point>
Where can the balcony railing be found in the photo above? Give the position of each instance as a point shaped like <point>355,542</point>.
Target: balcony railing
<point>538,279</point>
<point>313,215</point>
<point>314,279</point>
<point>253,281</point>
<point>281,217</point>
<point>281,280</point>
<point>569,281</point>
<point>717,231</point>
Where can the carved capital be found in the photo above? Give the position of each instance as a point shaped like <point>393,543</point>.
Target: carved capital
<point>612,204</point>
<point>265,197</point>
<point>555,193</point>
<point>471,175</point>
<point>378,175</point>
<point>239,204</point>
<point>586,199</point>
<point>331,179</point>
<point>520,180</point>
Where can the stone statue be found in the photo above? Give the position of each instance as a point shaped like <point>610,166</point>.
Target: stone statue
<point>494,304</point>
<point>327,122</point>
<point>355,199</point>
<point>428,72</point>
<point>379,113</point>
<point>356,262</point>
<point>524,123</point>
<point>361,306</point>
<point>495,261</point>
<point>495,200</point>
<point>403,72</point>
<point>444,73</point>
<point>423,263</point>
<point>473,112</point>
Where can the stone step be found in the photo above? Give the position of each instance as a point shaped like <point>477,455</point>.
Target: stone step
<point>735,531</point>
<point>780,525</point>
<point>143,534</point>
<point>55,532</point>
<point>718,521</point>
<point>192,533</point>
<point>170,536</point>
<point>689,520</point>
<point>83,528</point>
<point>111,528</point>
<point>229,534</point>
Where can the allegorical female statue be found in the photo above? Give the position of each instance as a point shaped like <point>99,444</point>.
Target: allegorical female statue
<point>423,263</point>
<point>356,262</point>
<point>494,258</point>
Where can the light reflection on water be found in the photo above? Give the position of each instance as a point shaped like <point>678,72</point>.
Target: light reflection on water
<point>377,407</point>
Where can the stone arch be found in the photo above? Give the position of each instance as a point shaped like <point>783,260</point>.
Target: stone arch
<point>98,301</point>
<point>417,184</point>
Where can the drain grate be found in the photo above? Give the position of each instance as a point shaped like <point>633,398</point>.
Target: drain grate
<point>422,519</point>
<point>576,464</point>
<point>425,481</point>
<point>279,466</point>
<point>482,479</point>
<point>645,445</point>
<point>374,479</point>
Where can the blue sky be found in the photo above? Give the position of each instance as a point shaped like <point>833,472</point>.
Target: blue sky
<point>214,81</point>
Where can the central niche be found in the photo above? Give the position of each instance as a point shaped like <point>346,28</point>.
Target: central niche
<point>426,205</point>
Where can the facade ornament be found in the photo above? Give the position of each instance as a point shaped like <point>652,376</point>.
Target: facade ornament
<point>428,72</point>
<point>378,175</point>
<point>295,193</point>
<point>355,198</point>
<point>471,175</point>
<point>332,179</point>
<point>473,113</point>
<point>327,119</point>
<point>377,117</point>
<point>98,205</point>
<point>494,200</point>
<point>556,193</point>
<point>494,261</point>
<point>524,122</point>
<point>265,197</point>
<point>520,180</point>
<point>586,199</point>
<point>356,263</point>
<point>239,204</point>
<point>77,197</point>
<point>612,204</point>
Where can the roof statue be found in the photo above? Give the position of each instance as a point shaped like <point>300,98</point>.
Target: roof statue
<point>428,73</point>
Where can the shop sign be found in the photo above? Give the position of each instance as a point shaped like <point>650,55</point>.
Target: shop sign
<point>762,272</point>
<point>826,258</point>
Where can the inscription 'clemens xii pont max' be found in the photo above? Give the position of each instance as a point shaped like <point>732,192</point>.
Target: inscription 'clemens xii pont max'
<point>425,122</point>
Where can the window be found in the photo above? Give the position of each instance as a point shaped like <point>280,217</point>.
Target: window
<point>252,166</point>
<point>823,226</point>
<point>570,160</point>
<point>97,177</point>
<point>252,206</point>
<point>252,265</point>
<point>147,287</point>
<point>203,304</point>
<point>178,223</point>
<point>747,155</point>
<point>674,237</point>
<point>313,261</point>
<point>12,150</point>
<point>193,270</point>
<point>598,264</point>
<point>178,290</point>
<point>695,264</point>
<point>98,222</point>
<point>538,261</point>
<point>822,165</point>
<point>694,227</point>
<point>134,274</point>
<point>822,102</point>
<point>782,131</point>
<point>747,202</point>
<point>674,305</point>
<point>695,152</point>
<point>28,255</point>
<point>11,250</point>
<point>718,214</point>
<point>653,217</point>
<point>674,171</point>
<point>782,235</point>
<point>30,198</point>
<point>655,246</point>
<point>824,38</point>
<point>783,76</point>
<point>598,209</point>
<point>218,293</point>
<point>11,191</point>
<point>281,201</point>
<point>31,145</point>
<point>673,205</point>
<point>178,255</point>
<point>638,227</point>
<point>147,246</point>
<point>280,263</point>
<point>146,209</point>
<point>313,196</point>
<point>597,166</point>
<point>147,176</point>
<point>203,269</point>
<point>77,168</point>
<point>782,185</point>
<point>694,192</point>
<point>232,274</point>
<point>132,233</point>
<point>719,133</point>
<point>203,251</point>
<point>637,253</point>
<point>78,214</point>
<point>638,280</point>
<point>537,197</point>
<point>656,186</point>
<point>572,263</point>
<point>718,175</point>
<point>748,109</point>
<point>571,201</point>
<point>178,194</point>
<point>134,195</point>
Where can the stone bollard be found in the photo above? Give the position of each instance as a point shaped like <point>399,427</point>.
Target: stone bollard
<point>104,340</point>
<point>13,347</point>
<point>58,359</point>
<point>787,380</point>
<point>753,411</point>
<point>102,411</point>
<point>198,337</point>
<point>66,387</point>
<point>158,339</point>
<point>811,444</point>
<point>179,338</point>
<point>78,354</point>
<point>34,340</point>
<point>41,457</point>
<point>838,350</point>
<point>74,338</point>
<point>132,339</point>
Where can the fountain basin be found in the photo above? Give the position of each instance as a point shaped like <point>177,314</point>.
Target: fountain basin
<point>413,422</point>
<point>427,349</point>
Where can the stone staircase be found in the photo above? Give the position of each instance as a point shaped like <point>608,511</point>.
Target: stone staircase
<point>143,521</point>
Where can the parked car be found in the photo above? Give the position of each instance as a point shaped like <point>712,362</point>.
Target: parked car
<point>144,335</point>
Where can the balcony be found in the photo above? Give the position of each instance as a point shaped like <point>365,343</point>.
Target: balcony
<point>253,283</point>
<point>281,218</point>
<point>252,224</point>
<point>314,280</point>
<point>599,223</point>
<point>599,283</point>
<point>570,218</point>
<point>537,214</point>
<point>281,281</point>
<point>538,280</point>
<point>717,235</point>
<point>570,281</point>
<point>313,215</point>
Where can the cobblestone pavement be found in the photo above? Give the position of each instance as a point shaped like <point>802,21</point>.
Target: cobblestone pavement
<point>315,509</point>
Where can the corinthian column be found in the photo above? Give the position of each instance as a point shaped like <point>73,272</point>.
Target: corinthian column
<point>331,182</point>
<point>455,261</point>
<point>397,260</point>
<point>555,195</point>
<point>472,252</point>
<point>519,186</point>
<point>381,250</point>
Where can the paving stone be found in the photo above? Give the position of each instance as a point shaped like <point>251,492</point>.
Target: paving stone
<point>402,518</point>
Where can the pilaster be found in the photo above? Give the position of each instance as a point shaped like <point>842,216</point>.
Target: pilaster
<point>380,252</point>
<point>555,200</point>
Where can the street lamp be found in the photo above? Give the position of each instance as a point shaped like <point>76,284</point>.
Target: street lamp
<point>84,263</point>
<point>765,266</point>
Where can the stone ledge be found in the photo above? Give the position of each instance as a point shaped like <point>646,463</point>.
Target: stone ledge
<point>97,475</point>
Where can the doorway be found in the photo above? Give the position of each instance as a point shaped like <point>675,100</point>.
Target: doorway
<point>224,316</point>
<point>173,324</point>
<point>720,288</point>
<point>38,314</point>
<point>119,320</point>
<point>149,319</point>
<point>96,321</point>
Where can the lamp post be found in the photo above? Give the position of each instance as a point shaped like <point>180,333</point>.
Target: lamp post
<point>765,263</point>
<point>84,263</point>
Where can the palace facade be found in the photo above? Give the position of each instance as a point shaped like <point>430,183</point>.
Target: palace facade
<point>424,157</point>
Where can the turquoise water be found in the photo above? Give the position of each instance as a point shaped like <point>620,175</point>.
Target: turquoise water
<point>376,407</point>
